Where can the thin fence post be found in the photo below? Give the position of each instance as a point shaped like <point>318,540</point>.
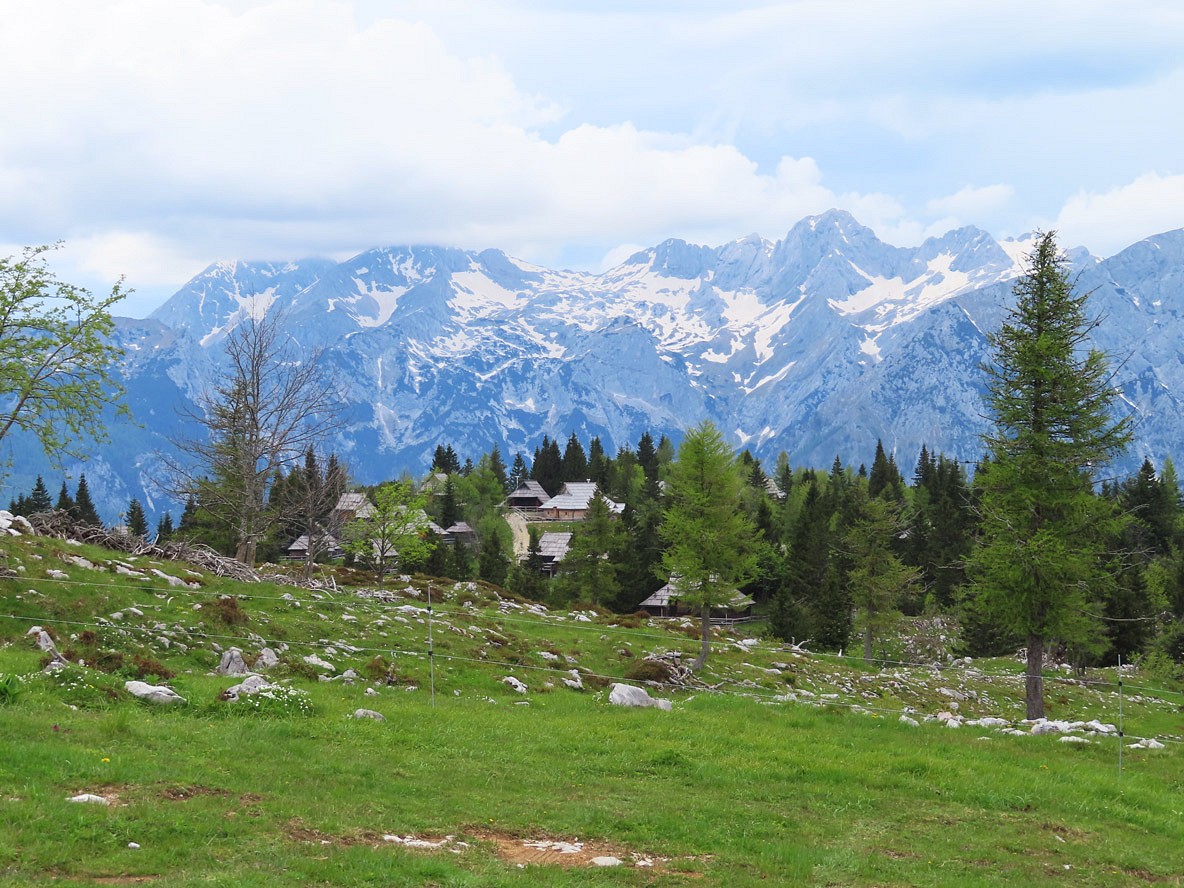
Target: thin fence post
<point>1121,742</point>
<point>431,649</point>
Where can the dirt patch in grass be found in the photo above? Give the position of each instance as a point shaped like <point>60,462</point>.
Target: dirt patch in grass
<point>181,793</point>
<point>122,880</point>
<point>512,849</point>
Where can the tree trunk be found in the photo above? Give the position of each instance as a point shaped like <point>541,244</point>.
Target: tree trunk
<point>1034,686</point>
<point>701,660</point>
<point>867,640</point>
<point>246,552</point>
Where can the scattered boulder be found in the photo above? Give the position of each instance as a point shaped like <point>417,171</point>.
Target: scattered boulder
<point>628,695</point>
<point>514,684</point>
<point>153,693</point>
<point>1147,743</point>
<point>45,642</point>
<point>369,713</point>
<point>266,660</point>
<point>88,798</point>
<point>252,684</point>
<point>911,722</point>
<point>314,660</point>
<point>574,681</point>
<point>232,663</point>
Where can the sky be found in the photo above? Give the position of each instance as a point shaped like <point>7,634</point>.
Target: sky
<point>155,137</point>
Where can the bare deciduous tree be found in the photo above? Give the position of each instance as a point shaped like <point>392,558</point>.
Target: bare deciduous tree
<point>267,409</point>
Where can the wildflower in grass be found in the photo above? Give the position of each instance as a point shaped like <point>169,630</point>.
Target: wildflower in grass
<point>104,760</point>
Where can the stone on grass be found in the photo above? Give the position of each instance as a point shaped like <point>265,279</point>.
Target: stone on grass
<point>153,693</point>
<point>232,663</point>
<point>88,798</point>
<point>514,684</point>
<point>911,722</point>
<point>606,861</point>
<point>369,713</point>
<point>628,695</point>
<point>314,660</point>
<point>1147,743</point>
<point>252,684</point>
<point>266,660</point>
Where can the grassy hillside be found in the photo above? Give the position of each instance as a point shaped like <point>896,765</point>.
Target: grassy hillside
<point>776,767</point>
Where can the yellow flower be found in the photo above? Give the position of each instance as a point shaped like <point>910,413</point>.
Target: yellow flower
<point>106,760</point>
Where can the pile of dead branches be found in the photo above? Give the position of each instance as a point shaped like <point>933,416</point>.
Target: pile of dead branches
<point>60,525</point>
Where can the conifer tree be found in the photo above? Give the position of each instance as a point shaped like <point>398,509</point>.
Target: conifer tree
<point>64,503</point>
<point>137,523</point>
<point>164,529</point>
<point>589,570</point>
<point>518,473</point>
<point>1043,529</point>
<point>39,500</point>
<point>497,466</point>
<point>710,541</point>
<point>575,460</point>
<point>84,508</point>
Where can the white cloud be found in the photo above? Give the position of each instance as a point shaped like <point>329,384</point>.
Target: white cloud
<point>1114,219</point>
<point>971,203</point>
<point>157,137</point>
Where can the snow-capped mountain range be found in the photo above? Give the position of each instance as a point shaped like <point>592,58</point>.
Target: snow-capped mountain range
<point>816,344</point>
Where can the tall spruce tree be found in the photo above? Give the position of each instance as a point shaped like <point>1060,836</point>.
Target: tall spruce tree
<point>137,522</point>
<point>84,507</point>
<point>39,499</point>
<point>1043,528</point>
<point>65,503</point>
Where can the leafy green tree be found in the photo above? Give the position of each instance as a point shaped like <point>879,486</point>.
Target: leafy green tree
<point>710,541</point>
<point>56,359</point>
<point>137,522</point>
<point>1043,529</point>
<point>878,580</point>
<point>396,532</point>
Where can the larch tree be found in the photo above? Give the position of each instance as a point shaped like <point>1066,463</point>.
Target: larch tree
<point>1039,562</point>
<point>710,542</point>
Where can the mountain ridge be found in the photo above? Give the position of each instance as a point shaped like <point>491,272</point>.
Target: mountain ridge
<point>816,344</point>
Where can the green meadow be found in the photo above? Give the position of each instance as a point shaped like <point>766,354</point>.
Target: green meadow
<point>777,767</point>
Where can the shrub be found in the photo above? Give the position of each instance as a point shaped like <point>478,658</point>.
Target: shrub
<point>11,686</point>
<point>649,670</point>
<point>379,670</point>
<point>226,610</point>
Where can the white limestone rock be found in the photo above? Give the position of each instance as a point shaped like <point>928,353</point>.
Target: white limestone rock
<point>160,694</point>
<point>232,663</point>
<point>370,714</point>
<point>267,659</point>
<point>628,695</point>
<point>514,684</point>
